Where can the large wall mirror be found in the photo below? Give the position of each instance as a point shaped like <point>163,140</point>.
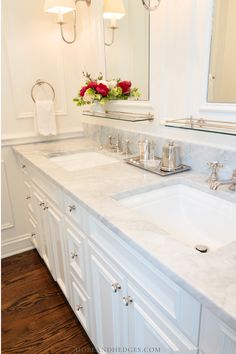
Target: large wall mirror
<point>222,69</point>
<point>127,46</point>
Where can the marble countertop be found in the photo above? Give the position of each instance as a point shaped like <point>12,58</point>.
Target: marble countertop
<point>210,278</point>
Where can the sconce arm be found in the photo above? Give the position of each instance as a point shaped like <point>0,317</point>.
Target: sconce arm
<point>62,33</point>
<point>151,8</point>
<point>112,38</point>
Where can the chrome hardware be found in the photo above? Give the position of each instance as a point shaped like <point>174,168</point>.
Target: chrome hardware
<point>215,166</point>
<point>23,166</point>
<point>45,208</point>
<point>33,235</point>
<point>39,83</point>
<point>110,145</point>
<point>28,197</point>
<point>230,182</point>
<point>171,160</point>
<point>79,307</point>
<point>116,287</point>
<point>201,248</point>
<point>41,204</point>
<point>71,208</point>
<point>126,149</point>
<point>150,8</point>
<point>127,300</point>
<point>74,255</point>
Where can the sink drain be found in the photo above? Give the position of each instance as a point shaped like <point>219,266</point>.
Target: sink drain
<point>201,248</point>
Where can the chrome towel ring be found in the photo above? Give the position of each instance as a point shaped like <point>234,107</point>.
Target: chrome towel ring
<point>39,83</point>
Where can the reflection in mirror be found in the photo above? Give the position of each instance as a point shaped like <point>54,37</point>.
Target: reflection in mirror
<point>222,71</point>
<point>127,46</point>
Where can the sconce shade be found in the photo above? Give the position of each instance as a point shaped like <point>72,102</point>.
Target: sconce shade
<point>113,9</point>
<point>59,6</point>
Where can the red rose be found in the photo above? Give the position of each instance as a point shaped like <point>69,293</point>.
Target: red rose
<point>125,86</point>
<point>83,90</point>
<point>102,89</point>
<point>92,85</point>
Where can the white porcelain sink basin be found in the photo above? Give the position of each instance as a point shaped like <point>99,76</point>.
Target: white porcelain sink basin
<point>190,216</point>
<point>82,160</point>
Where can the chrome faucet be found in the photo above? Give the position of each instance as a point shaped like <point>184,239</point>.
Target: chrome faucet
<point>230,182</point>
<point>214,166</point>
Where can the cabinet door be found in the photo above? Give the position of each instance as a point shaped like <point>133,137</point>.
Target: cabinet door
<point>57,246</point>
<point>215,336</point>
<point>149,330</point>
<point>43,228</point>
<point>107,293</point>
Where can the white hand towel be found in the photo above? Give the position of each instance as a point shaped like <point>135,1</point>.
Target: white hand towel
<point>45,118</point>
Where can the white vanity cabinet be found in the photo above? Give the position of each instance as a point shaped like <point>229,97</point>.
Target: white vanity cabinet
<point>107,292</point>
<point>122,300</point>
<point>124,313</point>
<point>215,336</point>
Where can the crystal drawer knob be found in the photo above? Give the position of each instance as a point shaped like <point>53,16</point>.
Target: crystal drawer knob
<point>127,300</point>
<point>116,287</point>
<point>71,208</point>
<point>74,255</point>
<point>79,307</point>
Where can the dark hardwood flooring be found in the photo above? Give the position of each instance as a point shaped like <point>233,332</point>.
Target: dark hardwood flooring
<point>36,317</point>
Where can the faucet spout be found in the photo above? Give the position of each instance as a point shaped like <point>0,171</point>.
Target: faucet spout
<point>230,182</point>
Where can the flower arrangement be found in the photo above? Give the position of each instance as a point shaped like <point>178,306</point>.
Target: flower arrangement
<point>102,91</point>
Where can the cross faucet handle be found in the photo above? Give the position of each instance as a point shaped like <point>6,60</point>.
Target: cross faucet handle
<point>214,166</point>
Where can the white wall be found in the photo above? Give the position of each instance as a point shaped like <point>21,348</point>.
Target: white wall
<point>33,49</point>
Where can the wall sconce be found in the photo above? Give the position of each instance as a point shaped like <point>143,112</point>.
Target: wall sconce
<point>61,7</point>
<point>113,10</point>
<point>150,8</point>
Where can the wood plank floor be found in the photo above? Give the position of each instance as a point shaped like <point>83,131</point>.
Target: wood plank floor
<point>36,317</point>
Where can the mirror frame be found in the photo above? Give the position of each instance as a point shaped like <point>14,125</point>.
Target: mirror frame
<point>210,109</point>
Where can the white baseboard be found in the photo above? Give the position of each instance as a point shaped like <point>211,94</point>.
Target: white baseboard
<point>18,245</point>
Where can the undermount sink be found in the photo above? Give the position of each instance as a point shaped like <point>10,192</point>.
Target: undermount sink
<point>81,160</point>
<point>187,214</point>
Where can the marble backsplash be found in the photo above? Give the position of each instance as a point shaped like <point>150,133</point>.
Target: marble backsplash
<point>195,155</point>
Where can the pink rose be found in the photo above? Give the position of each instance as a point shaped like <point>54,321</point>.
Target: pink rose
<point>83,90</point>
<point>102,89</point>
<point>125,86</point>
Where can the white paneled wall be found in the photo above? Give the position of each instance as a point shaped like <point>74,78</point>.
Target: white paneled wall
<point>33,49</point>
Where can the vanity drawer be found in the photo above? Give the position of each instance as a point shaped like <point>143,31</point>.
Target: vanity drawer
<point>179,306</point>
<point>49,188</point>
<point>80,305</point>
<point>76,253</point>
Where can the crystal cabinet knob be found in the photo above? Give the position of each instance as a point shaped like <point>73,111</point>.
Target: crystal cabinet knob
<point>116,287</point>
<point>71,208</point>
<point>127,300</point>
<point>74,255</point>
<point>79,307</point>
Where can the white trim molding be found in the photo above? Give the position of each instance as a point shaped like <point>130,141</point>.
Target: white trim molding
<point>21,139</point>
<point>20,244</point>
